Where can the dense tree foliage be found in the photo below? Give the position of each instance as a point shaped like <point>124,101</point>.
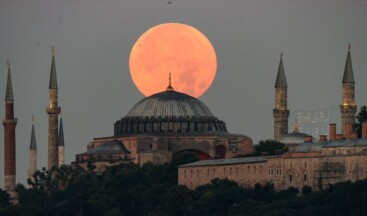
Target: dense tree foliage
<point>270,147</point>
<point>152,190</point>
<point>360,118</point>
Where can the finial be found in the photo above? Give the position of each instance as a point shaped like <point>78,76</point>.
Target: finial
<point>169,88</point>
<point>348,46</point>
<point>8,63</point>
<point>60,113</point>
<point>281,54</point>
<point>32,119</point>
<point>53,50</point>
<point>169,79</point>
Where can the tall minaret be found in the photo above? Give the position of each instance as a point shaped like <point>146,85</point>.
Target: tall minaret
<point>9,139</point>
<point>53,111</point>
<point>32,153</point>
<point>61,145</point>
<point>280,111</point>
<point>348,107</point>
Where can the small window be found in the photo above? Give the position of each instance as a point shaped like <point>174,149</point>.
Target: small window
<point>305,177</point>
<point>290,178</point>
<point>305,165</point>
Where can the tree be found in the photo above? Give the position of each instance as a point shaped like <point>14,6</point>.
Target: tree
<point>270,147</point>
<point>361,117</point>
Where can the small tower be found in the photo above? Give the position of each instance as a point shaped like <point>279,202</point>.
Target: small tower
<point>9,139</point>
<point>60,143</point>
<point>280,111</point>
<point>348,107</point>
<point>32,153</point>
<point>53,111</point>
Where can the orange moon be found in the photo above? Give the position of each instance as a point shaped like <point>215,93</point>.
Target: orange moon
<point>174,48</point>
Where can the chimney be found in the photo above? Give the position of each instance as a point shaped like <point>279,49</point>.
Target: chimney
<point>339,137</point>
<point>354,135</point>
<point>364,130</point>
<point>332,132</point>
<point>308,138</point>
<point>323,138</point>
<point>348,130</point>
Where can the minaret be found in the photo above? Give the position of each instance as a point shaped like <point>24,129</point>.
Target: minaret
<point>348,107</point>
<point>280,111</point>
<point>9,139</point>
<point>61,145</point>
<point>53,111</point>
<point>32,153</point>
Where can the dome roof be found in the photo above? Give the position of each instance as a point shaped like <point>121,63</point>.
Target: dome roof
<point>169,112</point>
<point>169,104</point>
<point>294,138</point>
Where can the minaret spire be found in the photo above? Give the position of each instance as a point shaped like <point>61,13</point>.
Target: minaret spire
<point>33,144</point>
<point>348,107</point>
<point>53,77</point>
<point>280,111</point>
<point>281,80</point>
<point>53,111</point>
<point>9,85</point>
<point>169,87</point>
<point>9,141</point>
<point>348,76</point>
<point>61,145</point>
<point>32,153</point>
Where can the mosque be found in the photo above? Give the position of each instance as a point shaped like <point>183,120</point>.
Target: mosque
<point>161,126</point>
<point>169,123</point>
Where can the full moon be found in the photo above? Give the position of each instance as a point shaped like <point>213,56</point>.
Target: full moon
<point>174,48</point>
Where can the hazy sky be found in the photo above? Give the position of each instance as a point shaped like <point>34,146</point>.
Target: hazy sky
<point>93,40</point>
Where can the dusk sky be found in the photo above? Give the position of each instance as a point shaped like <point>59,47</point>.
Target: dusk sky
<point>93,40</point>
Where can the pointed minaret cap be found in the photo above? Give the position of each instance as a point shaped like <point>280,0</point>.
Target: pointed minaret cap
<point>33,145</point>
<point>348,76</point>
<point>61,134</point>
<point>169,87</point>
<point>9,86</point>
<point>53,78</point>
<point>281,80</point>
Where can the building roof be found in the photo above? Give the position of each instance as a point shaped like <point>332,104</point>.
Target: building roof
<point>9,86</point>
<point>226,161</point>
<point>169,103</point>
<point>281,80</point>
<point>110,147</point>
<point>348,76</point>
<point>310,147</point>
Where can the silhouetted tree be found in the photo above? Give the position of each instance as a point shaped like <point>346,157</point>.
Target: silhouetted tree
<point>361,117</point>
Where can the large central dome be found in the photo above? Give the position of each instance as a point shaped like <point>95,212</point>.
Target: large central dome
<point>169,104</point>
<point>169,112</point>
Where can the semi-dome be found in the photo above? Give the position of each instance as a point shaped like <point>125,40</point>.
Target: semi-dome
<point>169,112</point>
<point>169,104</point>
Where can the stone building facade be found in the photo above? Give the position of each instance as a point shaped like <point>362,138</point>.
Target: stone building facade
<point>315,164</point>
<point>165,124</point>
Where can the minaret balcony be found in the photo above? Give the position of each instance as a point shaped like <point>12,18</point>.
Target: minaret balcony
<point>53,110</point>
<point>10,121</point>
